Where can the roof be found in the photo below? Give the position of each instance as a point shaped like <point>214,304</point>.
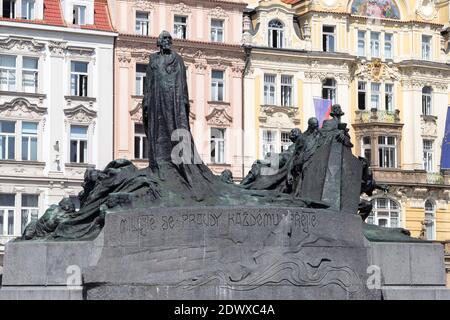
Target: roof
<point>53,16</point>
<point>291,1</point>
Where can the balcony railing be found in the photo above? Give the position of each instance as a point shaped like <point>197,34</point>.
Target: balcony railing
<point>377,116</point>
<point>410,176</point>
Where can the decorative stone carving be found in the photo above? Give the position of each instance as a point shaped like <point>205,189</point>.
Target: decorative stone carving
<point>21,108</point>
<point>426,9</point>
<point>124,59</point>
<point>376,71</point>
<point>21,44</point>
<point>269,110</point>
<point>136,113</point>
<point>80,114</point>
<point>219,117</point>
<point>144,5</point>
<point>428,126</point>
<point>218,12</point>
<point>181,8</point>
<point>80,51</point>
<point>57,48</point>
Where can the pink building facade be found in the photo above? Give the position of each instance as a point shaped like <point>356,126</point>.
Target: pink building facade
<point>208,36</point>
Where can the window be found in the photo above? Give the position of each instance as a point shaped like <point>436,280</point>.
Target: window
<point>389,97</point>
<point>387,152</point>
<point>7,140</point>
<point>386,213</point>
<point>428,155</point>
<point>427,101</point>
<point>217,85</point>
<point>276,34</point>
<point>180,27</point>
<point>361,43</point>
<point>286,91</point>
<point>375,96</point>
<point>9,9</point>
<point>28,9</point>
<point>388,46</point>
<point>375,44</point>
<point>30,209</point>
<point>30,74</point>
<point>216,30</point>
<point>426,47</point>
<point>430,220</point>
<point>7,73</point>
<point>269,142</point>
<point>362,95</point>
<point>142,23</point>
<point>329,90</point>
<point>29,141</point>
<point>285,141</point>
<point>140,142</point>
<point>78,144</point>
<point>7,209</point>
<point>141,70</point>
<point>217,145</point>
<point>79,15</point>
<point>79,78</point>
<point>328,39</point>
<point>269,89</point>
<point>366,148</point>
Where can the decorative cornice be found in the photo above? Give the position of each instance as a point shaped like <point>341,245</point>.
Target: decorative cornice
<point>269,110</point>
<point>80,51</point>
<point>21,108</point>
<point>143,5</point>
<point>57,48</point>
<point>219,117</point>
<point>181,8</point>
<point>21,44</point>
<point>218,12</point>
<point>80,114</point>
<point>136,113</point>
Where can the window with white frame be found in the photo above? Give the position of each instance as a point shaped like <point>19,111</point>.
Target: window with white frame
<point>428,155</point>
<point>427,98</point>
<point>7,140</point>
<point>142,23</point>
<point>217,85</point>
<point>389,97</point>
<point>285,141</point>
<point>28,9</point>
<point>29,141</point>
<point>79,78</point>
<point>269,144</point>
<point>7,72</point>
<point>362,95</point>
<point>140,142</point>
<point>30,74</point>
<point>29,210</point>
<point>366,148</point>
<point>388,45</point>
<point>329,90</point>
<point>141,70</point>
<point>180,27</point>
<point>387,151</point>
<point>7,212</point>
<point>217,30</point>
<point>430,220</point>
<point>218,145</point>
<point>9,9</point>
<point>78,144</point>
<point>270,89</point>
<point>375,97</point>
<point>328,38</point>
<point>361,43</point>
<point>286,91</point>
<point>426,47</point>
<point>79,15</point>
<point>276,34</point>
<point>375,44</point>
<point>385,213</point>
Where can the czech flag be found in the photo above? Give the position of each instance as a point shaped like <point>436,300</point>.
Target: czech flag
<point>323,109</point>
<point>445,158</point>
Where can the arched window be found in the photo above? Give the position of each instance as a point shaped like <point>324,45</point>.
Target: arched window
<point>427,94</point>
<point>385,213</point>
<point>329,90</point>
<point>430,220</point>
<point>276,34</point>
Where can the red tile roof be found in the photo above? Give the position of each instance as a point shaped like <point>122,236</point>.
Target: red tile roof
<point>291,1</point>
<point>53,16</point>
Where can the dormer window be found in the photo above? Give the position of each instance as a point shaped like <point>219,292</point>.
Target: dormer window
<point>276,34</point>
<point>28,9</point>
<point>79,15</point>
<point>9,7</point>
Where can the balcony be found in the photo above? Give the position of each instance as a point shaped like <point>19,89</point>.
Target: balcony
<point>377,116</point>
<point>410,177</point>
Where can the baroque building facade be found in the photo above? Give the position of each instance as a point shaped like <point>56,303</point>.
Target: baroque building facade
<point>56,114</point>
<point>385,63</point>
<point>207,34</point>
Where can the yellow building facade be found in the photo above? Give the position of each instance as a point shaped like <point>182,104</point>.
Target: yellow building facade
<point>386,63</point>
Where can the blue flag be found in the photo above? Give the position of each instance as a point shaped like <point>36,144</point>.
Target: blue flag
<point>445,158</point>
<point>323,109</point>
